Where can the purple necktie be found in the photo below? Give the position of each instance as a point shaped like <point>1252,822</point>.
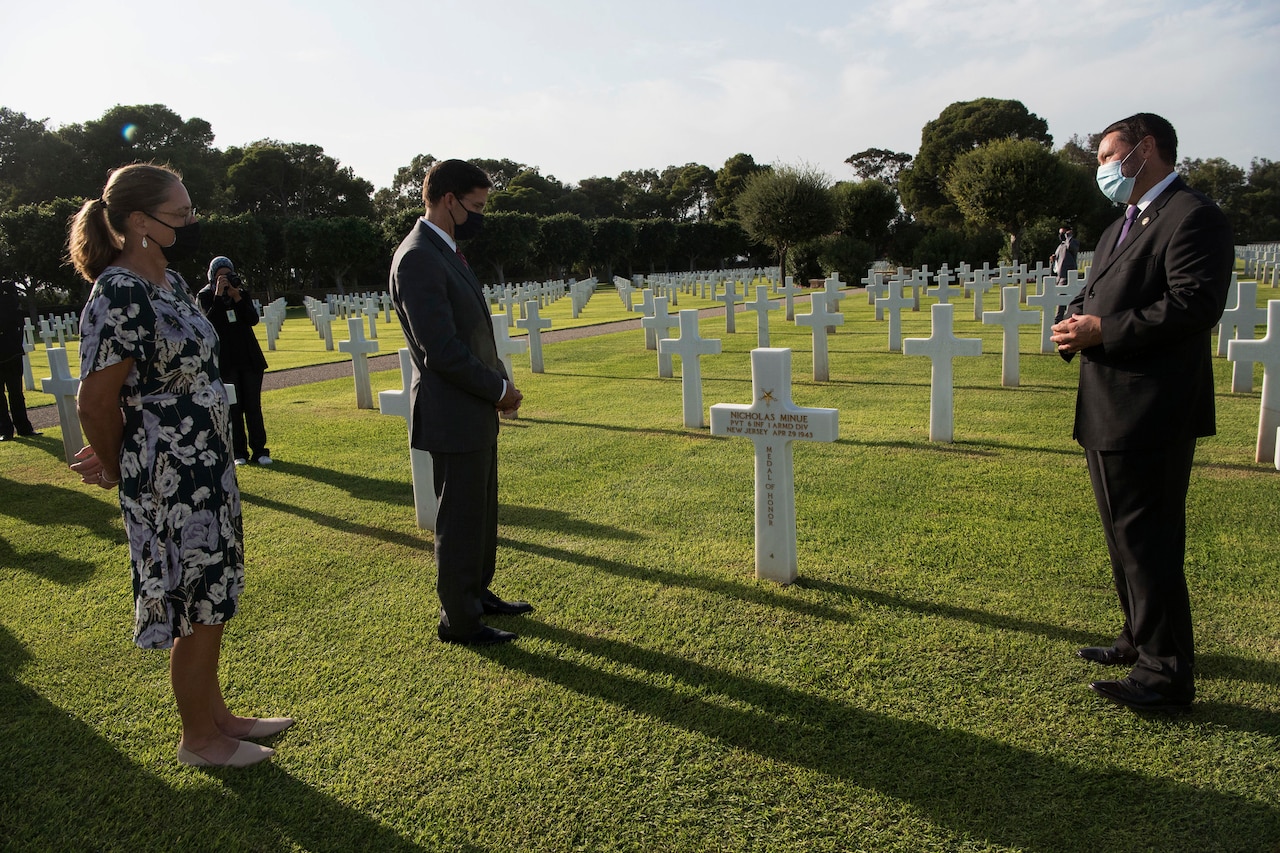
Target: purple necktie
<point>1129,215</point>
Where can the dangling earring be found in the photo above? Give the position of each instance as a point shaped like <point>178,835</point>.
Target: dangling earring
<point>144,241</point>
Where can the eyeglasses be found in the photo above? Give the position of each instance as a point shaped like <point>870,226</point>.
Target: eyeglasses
<point>186,216</point>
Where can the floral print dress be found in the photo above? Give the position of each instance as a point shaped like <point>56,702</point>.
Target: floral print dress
<point>178,487</point>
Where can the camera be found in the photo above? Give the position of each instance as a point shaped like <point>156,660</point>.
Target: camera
<point>235,281</point>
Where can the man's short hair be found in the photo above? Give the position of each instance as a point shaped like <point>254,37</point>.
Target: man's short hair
<point>453,176</point>
<point>1137,127</point>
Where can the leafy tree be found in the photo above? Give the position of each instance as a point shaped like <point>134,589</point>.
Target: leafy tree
<point>879,164</point>
<point>690,191</point>
<point>612,240</point>
<point>501,172</point>
<point>294,179</point>
<point>1260,204</point>
<point>528,192</point>
<point>1008,183</point>
<point>34,242</point>
<point>35,163</point>
<point>563,242</point>
<point>961,127</point>
<point>596,197</point>
<point>1082,152</point>
<point>508,239</point>
<point>241,239</point>
<point>147,132</point>
<point>866,211</point>
<point>846,255</point>
<point>786,206</point>
<point>655,242</point>
<point>405,192</point>
<point>1221,181</point>
<point>730,179</point>
<point>338,248</point>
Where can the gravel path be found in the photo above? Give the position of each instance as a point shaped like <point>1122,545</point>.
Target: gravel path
<point>43,417</point>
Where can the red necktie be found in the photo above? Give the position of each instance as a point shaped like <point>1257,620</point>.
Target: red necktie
<point>463,257</point>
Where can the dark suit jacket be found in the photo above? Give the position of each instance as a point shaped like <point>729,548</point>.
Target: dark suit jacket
<point>238,347</point>
<point>1159,296</point>
<point>457,375</point>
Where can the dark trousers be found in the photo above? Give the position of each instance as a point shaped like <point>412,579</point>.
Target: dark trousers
<point>247,413</point>
<point>14,415</point>
<point>1142,499</point>
<point>466,537</point>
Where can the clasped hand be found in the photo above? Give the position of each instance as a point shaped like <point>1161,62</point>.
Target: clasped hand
<point>1077,332</point>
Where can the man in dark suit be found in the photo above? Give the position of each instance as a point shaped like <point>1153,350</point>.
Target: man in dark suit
<point>1142,327</point>
<point>459,387</point>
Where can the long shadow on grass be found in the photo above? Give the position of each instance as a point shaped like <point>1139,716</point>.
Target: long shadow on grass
<point>769,596</point>
<point>344,525</point>
<point>973,785</point>
<point>66,788</point>
<point>630,430</point>
<point>50,445</point>
<point>41,505</point>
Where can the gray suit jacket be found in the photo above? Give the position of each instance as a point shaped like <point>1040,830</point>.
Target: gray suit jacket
<point>1159,296</point>
<point>457,375</point>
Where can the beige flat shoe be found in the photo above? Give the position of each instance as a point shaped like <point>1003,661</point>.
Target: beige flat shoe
<point>268,726</point>
<point>245,755</point>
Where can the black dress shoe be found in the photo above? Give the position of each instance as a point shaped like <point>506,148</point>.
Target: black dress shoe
<point>1108,656</point>
<point>1139,697</point>
<point>494,606</point>
<point>482,636</point>
<point>5,437</point>
<point>27,433</point>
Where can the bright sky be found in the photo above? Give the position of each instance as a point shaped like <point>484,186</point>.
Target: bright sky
<point>584,88</point>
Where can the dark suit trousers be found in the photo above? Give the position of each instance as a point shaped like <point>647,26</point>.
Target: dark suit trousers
<point>13,416</point>
<point>466,537</point>
<point>1142,499</point>
<point>247,412</point>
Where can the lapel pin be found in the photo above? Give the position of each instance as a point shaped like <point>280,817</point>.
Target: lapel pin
<point>1146,219</point>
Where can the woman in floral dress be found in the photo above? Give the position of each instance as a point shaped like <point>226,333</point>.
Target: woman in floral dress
<point>154,411</point>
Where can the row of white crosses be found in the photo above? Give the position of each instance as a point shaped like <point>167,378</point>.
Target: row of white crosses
<point>1261,262</point>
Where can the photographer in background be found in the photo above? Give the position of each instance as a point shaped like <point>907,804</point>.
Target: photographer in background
<point>13,413</point>
<point>225,301</point>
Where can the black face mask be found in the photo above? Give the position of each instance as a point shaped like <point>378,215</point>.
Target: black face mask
<point>469,227</point>
<point>186,240</point>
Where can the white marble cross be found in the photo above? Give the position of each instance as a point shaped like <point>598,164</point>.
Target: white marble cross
<point>831,289</point>
<point>1053,296</point>
<point>324,324</point>
<point>730,298</point>
<point>772,422</point>
<point>941,347</point>
<point>762,306</point>
<point>820,320</point>
<point>359,349</point>
<point>1265,351</point>
<point>535,324</point>
<point>64,387</point>
<point>646,309</point>
<point>47,334</point>
<point>789,291</point>
<point>371,311</point>
<point>893,303</point>
<point>981,284</point>
<point>1240,322</point>
<point>1010,317</point>
<point>659,325</point>
<point>943,291</point>
<point>507,346</point>
<point>690,346</point>
<point>421,469</point>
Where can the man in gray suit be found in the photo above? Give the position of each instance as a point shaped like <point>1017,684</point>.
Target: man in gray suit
<point>1142,327</point>
<point>459,387</point>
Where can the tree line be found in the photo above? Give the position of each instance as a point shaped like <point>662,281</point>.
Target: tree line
<point>985,185</point>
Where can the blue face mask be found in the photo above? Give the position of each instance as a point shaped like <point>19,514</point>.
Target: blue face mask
<point>1112,180</point>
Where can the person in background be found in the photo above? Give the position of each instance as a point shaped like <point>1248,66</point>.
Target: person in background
<point>154,411</point>
<point>1064,261</point>
<point>13,415</point>
<point>1142,326</point>
<point>225,301</point>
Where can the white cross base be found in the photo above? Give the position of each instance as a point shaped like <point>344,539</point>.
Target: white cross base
<point>772,422</point>
<point>422,471</point>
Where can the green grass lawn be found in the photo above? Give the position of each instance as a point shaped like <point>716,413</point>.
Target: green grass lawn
<point>916,689</point>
